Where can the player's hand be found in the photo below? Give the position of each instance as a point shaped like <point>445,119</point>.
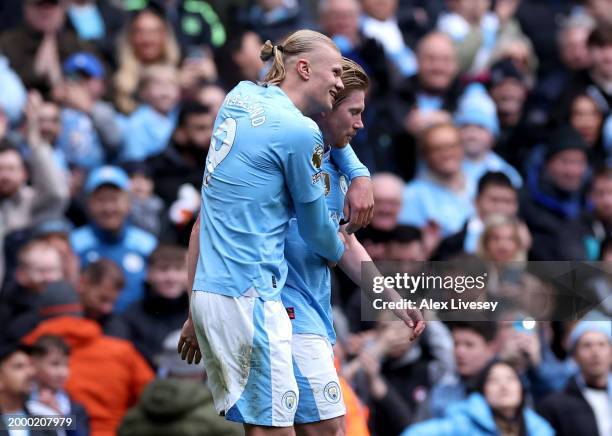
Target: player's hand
<point>188,346</point>
<point>359,204</point>
<point>413,318</point>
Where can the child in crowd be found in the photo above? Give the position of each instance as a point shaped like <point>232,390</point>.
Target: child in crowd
<point>50,356</point>
<point>149,128</point>
<point>478,124</point>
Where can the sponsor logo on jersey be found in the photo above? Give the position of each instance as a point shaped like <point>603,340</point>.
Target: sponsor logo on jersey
<point>317,157</point>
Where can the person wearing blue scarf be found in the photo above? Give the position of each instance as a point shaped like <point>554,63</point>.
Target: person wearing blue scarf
<point>552,199</point>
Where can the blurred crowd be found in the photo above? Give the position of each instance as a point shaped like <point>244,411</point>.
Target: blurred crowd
<point>488,133</point>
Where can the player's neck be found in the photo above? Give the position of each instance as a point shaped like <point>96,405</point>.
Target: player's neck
<point>296,96</point>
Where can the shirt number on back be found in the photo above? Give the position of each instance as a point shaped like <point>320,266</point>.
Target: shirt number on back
<point>220,145</point>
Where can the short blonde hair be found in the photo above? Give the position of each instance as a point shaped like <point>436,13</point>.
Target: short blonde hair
<point>300,42</point>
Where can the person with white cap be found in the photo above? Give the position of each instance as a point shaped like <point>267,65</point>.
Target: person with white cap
<point>585,406</point>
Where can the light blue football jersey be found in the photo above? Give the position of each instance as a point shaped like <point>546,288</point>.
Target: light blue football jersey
<point>264,156</point>
<point>307,291</point>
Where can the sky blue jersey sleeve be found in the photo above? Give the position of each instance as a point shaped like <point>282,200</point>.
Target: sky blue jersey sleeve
<point>303,162</point>
<point>348,162</point>
<point>318,230</point>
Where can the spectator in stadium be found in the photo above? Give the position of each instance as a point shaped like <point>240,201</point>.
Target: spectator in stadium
<point>496,194</point>
<point>197,67</point>
<point>406,245</point>
<point>98,287</point>
<point>552,199</point>
<point>442,193</point>
<point>476,31</point>
<point>177,403</point>
<point>90,134</point>
<point>210,95</point>
<point>56,232</point>
<point>474,346</point>
<point>425,96</point>
<point>571,39</point>
<point>146,40</point>
<point>387,189</point>
<point>196,24</point>
<point>339,19</point>
<point>16,381</point>
<point>583,408</point>
<point>477,120</point>
<point>274,19</point>
<point>597,79</point>
<point>162,310</point>
<point>146,208</point>
<point>509,89</point>
<point>395,375</point>
<point>22,205</point>
<point>107,375</point>
<point>50,356</point>
<point>38,265</point>
<point>419,101</point>
<point>239,59</point>
<point>599,220</point>
<point>147,130</point>
<point>37,48</point>
<point>498,407</point>
<point>98,22</point>
<point>379,21</point>
<point>183,159</point>
<point>587,117</point>
<point>109,234</point>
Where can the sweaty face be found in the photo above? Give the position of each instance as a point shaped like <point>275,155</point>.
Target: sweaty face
<point>325,80</point>
<point>342,123</point>
<point>497,199</point>
<point>148,38</point>
<point>502,389</point>
<point>471,352</point>
<point>109,207</point>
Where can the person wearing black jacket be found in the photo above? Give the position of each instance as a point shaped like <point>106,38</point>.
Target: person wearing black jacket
<point>148,322</point>
<point>495,195</point>
<point>583,408</point>
<point>16,382</point>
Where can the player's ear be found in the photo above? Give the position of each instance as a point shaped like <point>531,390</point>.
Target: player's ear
<point>302,66</point>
